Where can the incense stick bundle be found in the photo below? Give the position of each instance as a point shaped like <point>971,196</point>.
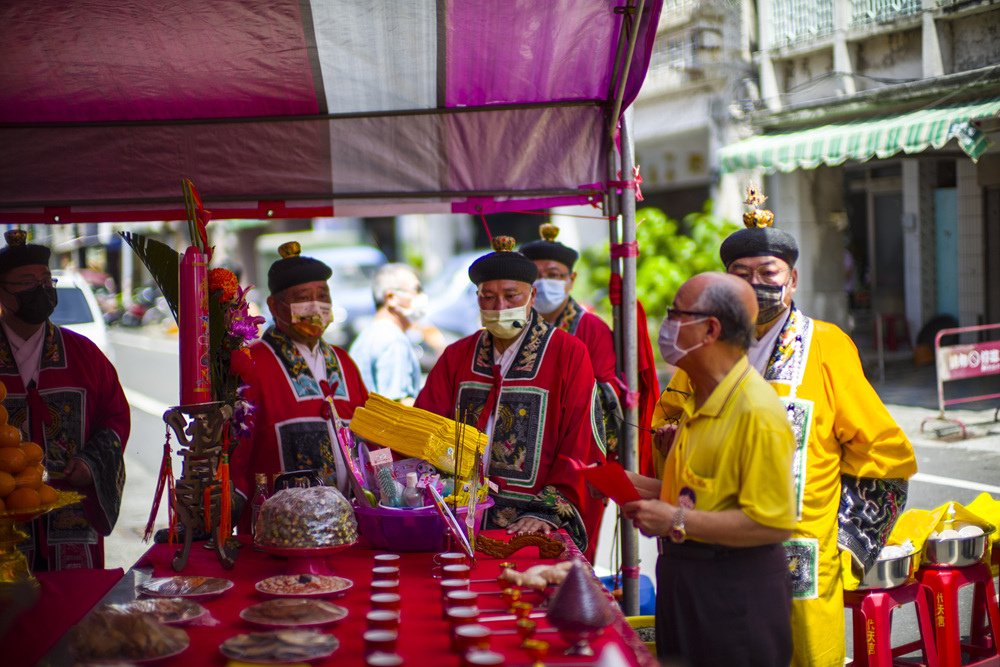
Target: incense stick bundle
<point>418,433</point>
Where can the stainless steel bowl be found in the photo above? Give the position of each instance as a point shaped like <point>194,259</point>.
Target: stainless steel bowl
<point>888,573</point>
<point>955,552</point>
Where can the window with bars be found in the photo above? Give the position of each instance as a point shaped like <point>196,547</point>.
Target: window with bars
<point>799,21</point>
<point>865,12</point>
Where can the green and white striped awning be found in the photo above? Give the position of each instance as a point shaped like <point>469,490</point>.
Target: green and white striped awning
<point>862,140</point>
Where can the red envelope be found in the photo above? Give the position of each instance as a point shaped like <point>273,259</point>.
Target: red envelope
<point>611,480</point>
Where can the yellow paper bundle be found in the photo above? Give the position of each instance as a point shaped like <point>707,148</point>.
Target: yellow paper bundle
<point>418,433</point>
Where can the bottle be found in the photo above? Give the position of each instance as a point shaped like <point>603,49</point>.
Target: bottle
<point>259,496</point>
<point>412,497</point>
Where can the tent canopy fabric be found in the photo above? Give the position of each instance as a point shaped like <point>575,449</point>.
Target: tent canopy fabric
<point>309,107</point>
<point>862,140</point>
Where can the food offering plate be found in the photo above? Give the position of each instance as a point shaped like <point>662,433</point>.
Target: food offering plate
<point>13,565</point>
<point>306,560</point>
<point>154,659</point>
<point>293,612</point>
<point>184,586</point>
<point>304,585</point>
<point>279,647</point>
<point>171,611</point>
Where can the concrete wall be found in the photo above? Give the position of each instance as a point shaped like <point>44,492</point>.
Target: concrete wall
<point>971,299</point>
<point>892,56</point>
<point>976,41</point>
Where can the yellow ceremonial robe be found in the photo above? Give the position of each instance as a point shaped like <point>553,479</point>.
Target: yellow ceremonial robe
<point>841,427</point>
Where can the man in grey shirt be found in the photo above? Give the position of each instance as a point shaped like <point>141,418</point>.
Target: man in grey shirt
<point>385,355</point>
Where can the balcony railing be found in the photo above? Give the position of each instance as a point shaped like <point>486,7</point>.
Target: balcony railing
<point>799,21</point>
<point>868,12</point>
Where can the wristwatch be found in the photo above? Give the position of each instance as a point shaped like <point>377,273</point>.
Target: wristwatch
<point>677,533</point>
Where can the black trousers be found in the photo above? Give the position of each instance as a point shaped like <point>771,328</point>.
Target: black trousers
<point>720,606</point>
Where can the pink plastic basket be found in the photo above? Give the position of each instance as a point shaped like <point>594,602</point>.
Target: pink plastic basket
<point>410,529</point>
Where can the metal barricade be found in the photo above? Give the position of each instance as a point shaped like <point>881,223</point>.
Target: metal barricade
<point>964,362</point>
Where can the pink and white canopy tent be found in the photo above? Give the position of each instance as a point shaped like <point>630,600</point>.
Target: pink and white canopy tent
<point>303,108</point>
<point>311,107</point>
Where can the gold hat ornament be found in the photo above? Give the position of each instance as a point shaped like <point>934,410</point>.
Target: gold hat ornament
<point>504,243</point>
<point>290,249</point>
<point>758,217</point>
<point>548,232</point>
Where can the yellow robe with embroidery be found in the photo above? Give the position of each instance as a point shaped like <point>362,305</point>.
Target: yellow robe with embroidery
<point>851,433</point>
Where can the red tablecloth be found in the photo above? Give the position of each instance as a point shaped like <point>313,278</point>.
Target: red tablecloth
<point>64,598</point>
<point>423,635</point>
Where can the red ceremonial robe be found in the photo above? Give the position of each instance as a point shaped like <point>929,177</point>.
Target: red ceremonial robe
<point>649,391</point>
<point>77,409</point>
<point>291,430</point>
<point>544,420</point>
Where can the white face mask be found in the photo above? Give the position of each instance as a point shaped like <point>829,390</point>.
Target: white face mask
<point>667,340</point>
<point>550,294</point>
<point>417,308</point>
<point>505,324</point>
<point>310,318</point>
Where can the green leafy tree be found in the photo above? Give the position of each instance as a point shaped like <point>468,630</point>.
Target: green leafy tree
<point>670,252</point>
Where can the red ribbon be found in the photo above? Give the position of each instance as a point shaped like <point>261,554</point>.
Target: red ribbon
<point>491,399</point>
<point>622,250</point>
<point>630,185</point>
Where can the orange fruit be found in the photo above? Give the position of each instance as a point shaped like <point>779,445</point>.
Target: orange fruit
<point>4,416</point>
<point>29,477</point>
<point>47,494</point>
<point>23,499</point>
<point>1,505</point>
<point>6,484</point>
<point>33,451</point>
<point>10,436</point>
<point>12,460</point>
<point>3,391</point>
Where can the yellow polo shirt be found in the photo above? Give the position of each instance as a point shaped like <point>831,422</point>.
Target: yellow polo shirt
<point>735,451</point>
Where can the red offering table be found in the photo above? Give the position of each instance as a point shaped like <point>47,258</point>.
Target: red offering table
<point>423,634</point>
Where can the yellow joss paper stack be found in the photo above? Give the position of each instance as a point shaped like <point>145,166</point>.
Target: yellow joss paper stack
<point>419,434</point>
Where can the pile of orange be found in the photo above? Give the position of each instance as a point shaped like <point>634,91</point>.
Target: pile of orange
<point>21,469</point>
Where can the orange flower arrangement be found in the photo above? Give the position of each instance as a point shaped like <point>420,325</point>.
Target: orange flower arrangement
<point>223,281</point>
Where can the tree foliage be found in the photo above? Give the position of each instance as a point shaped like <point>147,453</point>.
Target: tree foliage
<point>670,252</point>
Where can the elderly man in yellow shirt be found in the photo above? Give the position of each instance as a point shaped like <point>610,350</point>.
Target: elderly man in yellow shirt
<point>852,461</point>
<point>726,500</point>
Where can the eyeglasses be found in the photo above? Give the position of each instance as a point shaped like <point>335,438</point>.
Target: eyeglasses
<point>25,285</point>
<point>553,275</point>
<point>766,275</point>
<point>675,313</point>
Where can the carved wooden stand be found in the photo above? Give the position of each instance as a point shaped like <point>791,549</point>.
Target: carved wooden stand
<point>201,450</point>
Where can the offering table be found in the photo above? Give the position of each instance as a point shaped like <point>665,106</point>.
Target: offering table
<point>424,636</point>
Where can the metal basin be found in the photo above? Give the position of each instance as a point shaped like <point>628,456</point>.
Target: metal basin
<point>955,552</point>
<point>888,573</point>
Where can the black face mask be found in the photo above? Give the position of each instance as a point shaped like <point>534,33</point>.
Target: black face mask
<point>35,305</point>
<point>770,301</point>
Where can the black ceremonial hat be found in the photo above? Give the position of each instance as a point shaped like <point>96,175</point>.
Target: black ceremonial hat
<point>18,252</point>
<point>294,269</point>
<point>503,264</point>
<point>759,239</point>
<point>548,248</point>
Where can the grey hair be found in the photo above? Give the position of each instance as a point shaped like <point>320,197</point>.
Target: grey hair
<point>722,301</point>
<point>388,278</point>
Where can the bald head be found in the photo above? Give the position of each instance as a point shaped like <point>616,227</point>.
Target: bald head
<point>729,299</point>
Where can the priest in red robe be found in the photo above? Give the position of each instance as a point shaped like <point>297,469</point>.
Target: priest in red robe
<point>290,372</point>
<point>64,394</point>
<point>530,386</point>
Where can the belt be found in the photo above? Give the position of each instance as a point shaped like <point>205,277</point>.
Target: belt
<point>692,550</point>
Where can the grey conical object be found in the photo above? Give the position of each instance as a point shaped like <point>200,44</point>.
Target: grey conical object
<point>580,603</point>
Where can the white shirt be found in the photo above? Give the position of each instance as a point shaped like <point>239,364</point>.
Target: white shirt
<point>314,359</point>
<point>503,360</point>
<point>760,350</point>
<point>27,353</point>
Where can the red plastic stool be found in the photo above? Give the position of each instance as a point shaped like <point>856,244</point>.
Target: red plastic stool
<point>872,616</point>
<point>943,585</point>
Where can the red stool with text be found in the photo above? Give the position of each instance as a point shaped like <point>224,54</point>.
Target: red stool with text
<point>872,621</point>
<point>942,586</point>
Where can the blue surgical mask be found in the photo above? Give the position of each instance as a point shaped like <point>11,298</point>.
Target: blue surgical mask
<point>550,294</point>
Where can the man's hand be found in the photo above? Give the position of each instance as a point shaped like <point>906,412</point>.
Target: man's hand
<point>653,518</point>
<point>663,438</point>
<point>530,524</point>
<point>77,473</point>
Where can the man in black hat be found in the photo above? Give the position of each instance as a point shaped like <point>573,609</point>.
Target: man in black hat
<point>851,455</point>
<point>531,387</point>
<point>63,394</point>
<point>299,384</point>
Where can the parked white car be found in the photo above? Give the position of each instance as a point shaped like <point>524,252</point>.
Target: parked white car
<point>79,311</point>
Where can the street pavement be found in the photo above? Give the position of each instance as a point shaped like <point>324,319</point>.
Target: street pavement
<point>950,467</point>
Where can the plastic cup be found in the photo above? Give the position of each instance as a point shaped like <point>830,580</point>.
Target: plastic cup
<point>386,601</point>
<point>385,573</point>
<point>448,585</point>
<point>458,598</point>
<point>450,558</point>
<point>477,658</point>
<point>386,559</point>
<point>385,586</point>
<point>470,637</point>
<point>379,659</point>
<point>383,619</point>
<point>455,571</point>
<point>380,641</point>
